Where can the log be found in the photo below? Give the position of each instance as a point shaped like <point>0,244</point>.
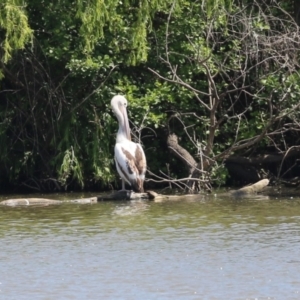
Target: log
<point>83,200</point>
<point>119,195</point>
<point>149,195</point>
<point>251,189</point>
<point>29,201</point>
<point>240,193</point>
<point>44,201</point>
<point>129,195</point>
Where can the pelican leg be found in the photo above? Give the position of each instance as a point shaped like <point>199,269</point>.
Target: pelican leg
<point>123,185</point>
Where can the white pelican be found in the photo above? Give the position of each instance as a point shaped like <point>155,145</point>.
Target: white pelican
<point>129,156</point>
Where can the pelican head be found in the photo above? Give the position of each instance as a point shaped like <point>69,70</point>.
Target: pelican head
<point>119,105</point>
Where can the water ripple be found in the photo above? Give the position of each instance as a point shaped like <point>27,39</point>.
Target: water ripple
<point>187,250</point>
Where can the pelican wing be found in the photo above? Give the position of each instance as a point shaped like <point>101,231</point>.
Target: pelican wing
<point>131,163</point>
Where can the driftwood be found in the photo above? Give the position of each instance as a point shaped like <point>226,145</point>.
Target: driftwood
<point>44,201</point>
<point>120,195</point>
<point>151,195</point>
<point>251,189</point>
<point>129,195</point>
<point>125,195</point>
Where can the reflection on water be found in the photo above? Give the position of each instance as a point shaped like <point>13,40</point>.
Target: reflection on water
<point>197,248</point>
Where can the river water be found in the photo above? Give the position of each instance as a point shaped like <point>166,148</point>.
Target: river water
<point>196,248</point>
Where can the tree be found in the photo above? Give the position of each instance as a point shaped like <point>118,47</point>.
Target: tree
<point>220,75</point>
<point>55,123</point>
<point>238,79</point>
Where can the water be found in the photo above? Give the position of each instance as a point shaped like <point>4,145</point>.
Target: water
<point>200,248</point>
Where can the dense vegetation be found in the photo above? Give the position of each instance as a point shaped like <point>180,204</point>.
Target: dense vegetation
<point>221,75</point>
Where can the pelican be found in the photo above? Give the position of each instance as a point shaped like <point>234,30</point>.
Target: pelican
<point>129,156</point>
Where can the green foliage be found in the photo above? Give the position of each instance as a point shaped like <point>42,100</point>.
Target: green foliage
<point>70,167</point>
<point>219,175</point>
<point>16,30</point>
<point>55,116</point>
<point>124,24</point>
